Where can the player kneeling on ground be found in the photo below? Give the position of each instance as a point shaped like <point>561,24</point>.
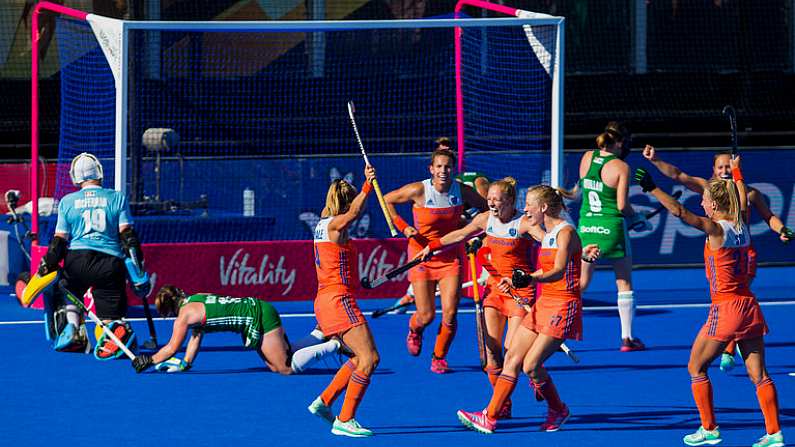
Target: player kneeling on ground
<point>257,321</point>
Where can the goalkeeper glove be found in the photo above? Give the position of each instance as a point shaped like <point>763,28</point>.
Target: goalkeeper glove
<point>644,180</point>
<point>172,365</point>
<point>787,234</point>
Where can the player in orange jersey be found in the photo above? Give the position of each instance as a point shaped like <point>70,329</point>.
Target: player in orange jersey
<point>734,314</point>
<point>437,204</point>
<point>555,316</point>
<point>721,168</point>
<point>507,235</point>
<point>335,306</point>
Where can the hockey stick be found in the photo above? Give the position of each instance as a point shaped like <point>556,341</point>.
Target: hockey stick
<point>140,280</point>
<point>656,211</point>
<point>95,319</point>
<point>485,262</point>
<point>728,112</point>
<point>480,318</point>
<point>386,310</point>
<point>378,194</point>
<point>367,284</point>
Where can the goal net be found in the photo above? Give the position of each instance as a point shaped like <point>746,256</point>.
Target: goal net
<point>225,131</point>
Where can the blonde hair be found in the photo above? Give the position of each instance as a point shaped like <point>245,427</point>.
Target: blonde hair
<point>605,139</point>
<point>339,197</point>
<point>507,186</point>
<point>549,196</point>
<point>168,300</point>
<point>725,194</point>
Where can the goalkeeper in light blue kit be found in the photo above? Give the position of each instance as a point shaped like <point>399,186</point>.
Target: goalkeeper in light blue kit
<point>93,235</point>
<point>257,321</point>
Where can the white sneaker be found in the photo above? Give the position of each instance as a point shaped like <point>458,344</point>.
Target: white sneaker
<point>703,436</point>
<point>350,428</point>
<point>321,410</point>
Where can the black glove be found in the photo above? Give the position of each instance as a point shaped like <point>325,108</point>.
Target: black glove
<point>520,278</point>
<point>788,234</point>
<point>644,180</point>
<point>474,246</point>
<point>142,362</point>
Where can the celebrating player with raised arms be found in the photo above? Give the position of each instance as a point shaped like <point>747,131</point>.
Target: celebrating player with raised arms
<point>606,215</point>
<point>555,316</point>
<point>507,236</point>
<point>336,309</point>
<point>721,168</point>
<point>437,205</point>
<point>257,321</point>
<point>734,313</point>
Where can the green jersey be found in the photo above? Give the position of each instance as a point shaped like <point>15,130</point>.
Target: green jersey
<point>598,199</point>
<point>468,178</point>
<point>250,317</point>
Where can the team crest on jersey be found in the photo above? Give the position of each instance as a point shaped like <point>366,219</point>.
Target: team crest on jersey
<point>453,200</point>
<point>551,241</point>
<point>429,202</point>
<point>490,230</point>
<point>512,232</point>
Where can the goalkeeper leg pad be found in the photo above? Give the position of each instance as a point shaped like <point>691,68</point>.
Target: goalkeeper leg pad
<point>106,348</point>
<point>72,339</point>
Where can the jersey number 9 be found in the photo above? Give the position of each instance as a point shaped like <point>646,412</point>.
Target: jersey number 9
<point>94,220</point>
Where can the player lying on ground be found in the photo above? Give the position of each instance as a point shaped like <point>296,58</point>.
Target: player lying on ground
<point>721,168</point>
<point>555,316</point>
<point>734,313</point>
<point>257,321</point>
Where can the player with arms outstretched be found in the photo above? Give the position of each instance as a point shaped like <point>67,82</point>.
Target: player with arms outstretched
<point>437,205</point>
<point>336,309</point>
<point>257,321</point>
<point>507,236</point>
<point>555,316</point>
<point>721,168</point>
<point>734,313</point>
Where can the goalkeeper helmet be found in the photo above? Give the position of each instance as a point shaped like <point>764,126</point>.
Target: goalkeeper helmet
<point>85,167</point>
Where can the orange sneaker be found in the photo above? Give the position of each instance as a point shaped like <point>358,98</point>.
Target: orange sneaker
<point>556,419</point>
<point>632,344</point>
<point>439,366</point>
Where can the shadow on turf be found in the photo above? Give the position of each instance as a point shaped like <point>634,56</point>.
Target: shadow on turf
<point>264,369</point>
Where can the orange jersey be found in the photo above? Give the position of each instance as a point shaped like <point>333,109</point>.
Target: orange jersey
<point>335,264</point>
<point>569,285</point>
<point>727,267</point>
<point>440,215</point>
<point>509,249</point>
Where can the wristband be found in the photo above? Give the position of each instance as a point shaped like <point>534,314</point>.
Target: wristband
<point>400,224</point>
<point>435,245</point>
<point>367,187</point>
<point>737,176</point>
<point>588,260</point>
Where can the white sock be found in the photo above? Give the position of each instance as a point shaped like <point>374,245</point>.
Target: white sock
<point>313,338</point>
<point>626,312</point>
<point>305,357</point>
<point>72,316</point>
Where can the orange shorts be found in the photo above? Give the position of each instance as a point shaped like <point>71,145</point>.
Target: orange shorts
<point>447,263</point>
<point>558,317</point>
<point>503,303</point>
<point>336,312</point>
<point>739,318</point>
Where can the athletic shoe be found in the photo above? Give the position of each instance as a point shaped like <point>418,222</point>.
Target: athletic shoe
<point>556,419</point>
<point>505,411</point>
<point>321,410</point>
<point>350,428</point>
<point>414,343</point>
<point>774,440</point>
<point>632,344</point>
<point>536,391</point>
<point>439,366</point>
<point>726,362</point>
<point>703,436</point>
<point>478,421</point>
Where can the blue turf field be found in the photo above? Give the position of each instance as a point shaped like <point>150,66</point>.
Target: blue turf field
<point>617,399</point>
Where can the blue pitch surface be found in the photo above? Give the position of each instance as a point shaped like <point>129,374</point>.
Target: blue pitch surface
<point>617,399</point>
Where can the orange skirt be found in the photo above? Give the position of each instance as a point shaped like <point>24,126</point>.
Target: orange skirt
<point>447,263</point>
<point>558,317</point>
<point>503,303</point>
<point>739,318</point>
<point>336,312</point>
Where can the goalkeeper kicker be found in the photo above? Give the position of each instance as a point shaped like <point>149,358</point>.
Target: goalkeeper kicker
<point>257,321</point>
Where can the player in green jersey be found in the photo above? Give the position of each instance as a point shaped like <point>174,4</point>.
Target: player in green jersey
<point>606,215</point>
<point>257,321</point>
